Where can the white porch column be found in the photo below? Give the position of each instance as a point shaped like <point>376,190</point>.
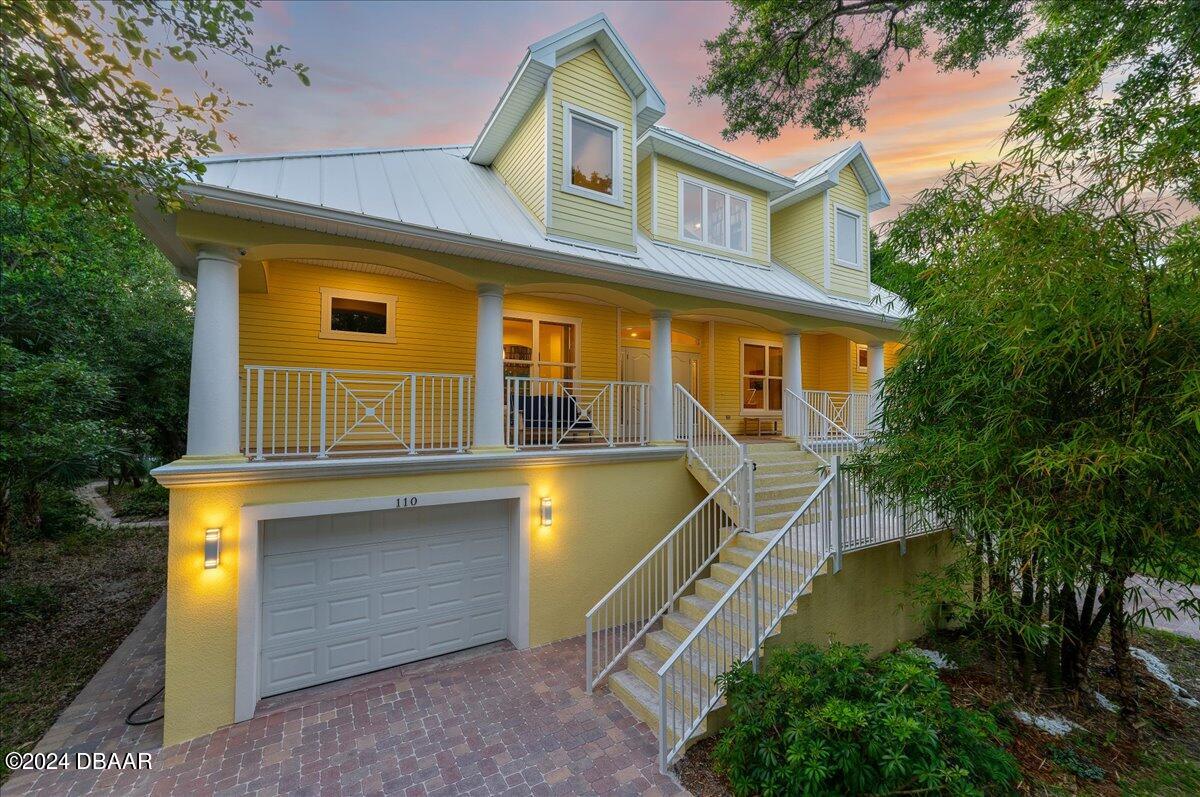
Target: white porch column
<point>213,392</point>
<point>791,381</point>
<point>662,388</point>
<point>489,369</point>
<point>875,374</point>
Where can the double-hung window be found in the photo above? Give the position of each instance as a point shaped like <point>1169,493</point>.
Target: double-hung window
<point>714,217</point>
<point>848,238</point>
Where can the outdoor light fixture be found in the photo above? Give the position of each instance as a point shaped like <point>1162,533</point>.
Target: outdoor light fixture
<point>547,513</point>
<point>212,548</point>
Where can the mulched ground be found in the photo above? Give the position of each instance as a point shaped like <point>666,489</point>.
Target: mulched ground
<point>65,606</point>
<point>1158,753</point>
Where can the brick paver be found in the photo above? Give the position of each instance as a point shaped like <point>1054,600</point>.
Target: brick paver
<point>489,721</point>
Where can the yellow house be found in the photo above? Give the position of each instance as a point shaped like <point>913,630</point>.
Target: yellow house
<point>445,396</point>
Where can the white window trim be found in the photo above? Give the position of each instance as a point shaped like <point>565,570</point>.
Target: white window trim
<point>618,195</point>
<point>329,333</point>
<point>861,225</point>
<point>861,347</point>
<point>706,186</point>
<point>742,343</point>
<point>538,318</point>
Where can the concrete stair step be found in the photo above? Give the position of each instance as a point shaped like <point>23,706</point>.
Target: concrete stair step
<point>637,695</point>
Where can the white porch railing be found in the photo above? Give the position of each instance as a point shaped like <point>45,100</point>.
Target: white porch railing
<point>849,410</point>
<point>648,591</point>
<point>318,412</point>
<point>715,450</point>
<point>551,413</point>
<point>817,433</point>
<point>840,516</point>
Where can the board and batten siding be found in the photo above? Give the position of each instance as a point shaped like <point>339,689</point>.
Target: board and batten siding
<point>586,82</point>
<point>844,280</point>
<point>796,240</point>
<point>522,161</point>
<point>666,206</point>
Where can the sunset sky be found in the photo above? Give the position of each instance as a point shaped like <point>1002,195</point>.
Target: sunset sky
<point>397,74</point>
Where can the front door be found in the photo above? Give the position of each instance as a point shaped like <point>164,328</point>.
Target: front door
<point>685,367</point>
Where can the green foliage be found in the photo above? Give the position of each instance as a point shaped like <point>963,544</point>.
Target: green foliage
<point>1043,402</point>
<point>22,603</point>
<point>837,722</point>
<point>95,340</point>
<point>150,500</point>
<point>1070,759</point>
<point>81,113</point>
<point>64,513</point>
<point>1109,81</point>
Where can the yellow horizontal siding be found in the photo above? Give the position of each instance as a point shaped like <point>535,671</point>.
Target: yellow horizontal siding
<point>645,192</point>
<point>667,208</point>
<point>585,81</point>
<point>796,240</point>
<point>522,161</point>
<point>849,193</point>
<point>435,324</point>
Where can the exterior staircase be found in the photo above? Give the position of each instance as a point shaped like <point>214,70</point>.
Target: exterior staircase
<point>785,475</point>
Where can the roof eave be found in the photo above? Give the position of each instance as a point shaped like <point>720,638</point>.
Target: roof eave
<point>663,143</point>
<point>579,265</point>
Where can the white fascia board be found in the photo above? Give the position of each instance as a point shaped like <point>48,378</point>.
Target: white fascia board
<point>712,161</point>
<point>542,58</point>
<point>348,224</point>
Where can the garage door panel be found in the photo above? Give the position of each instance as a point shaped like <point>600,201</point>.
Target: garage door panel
<point>357,593</point>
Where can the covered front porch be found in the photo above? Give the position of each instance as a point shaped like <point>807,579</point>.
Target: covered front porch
<point>352,356</point>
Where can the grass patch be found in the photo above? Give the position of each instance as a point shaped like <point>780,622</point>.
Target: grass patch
<point>148,502</point>
<point>65,606</point>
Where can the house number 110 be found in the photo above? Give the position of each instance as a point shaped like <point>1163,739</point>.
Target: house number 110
<point>407,502</point>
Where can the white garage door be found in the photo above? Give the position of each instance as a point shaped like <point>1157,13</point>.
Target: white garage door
<point>347,594</point>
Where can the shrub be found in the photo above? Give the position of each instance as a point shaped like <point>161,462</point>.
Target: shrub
<point>834,721</point>
<point>147,502</point>
<point>22,603</point>
<point>64,513</point>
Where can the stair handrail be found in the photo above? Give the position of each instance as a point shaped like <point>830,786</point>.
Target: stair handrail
<point>847,517</point>
<point>710,445</point>
<point>849,442</point>
<point>649,590</point>
<point>688,718</point>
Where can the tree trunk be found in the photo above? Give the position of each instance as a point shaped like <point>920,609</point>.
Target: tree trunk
<point>31,507</point>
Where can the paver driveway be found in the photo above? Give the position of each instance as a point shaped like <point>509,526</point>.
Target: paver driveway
<point>489,721</point>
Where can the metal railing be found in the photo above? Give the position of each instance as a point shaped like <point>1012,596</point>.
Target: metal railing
<point>715,450</point>
<point>551,413</point>
<point>818,434</point>
<point>621,618</point>
<point>850,411</point>
<point>319,412</point>
<point>841,515</point>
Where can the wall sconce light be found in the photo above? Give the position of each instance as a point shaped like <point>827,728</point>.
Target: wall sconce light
<point>212,548</point>
<point>547,512</point>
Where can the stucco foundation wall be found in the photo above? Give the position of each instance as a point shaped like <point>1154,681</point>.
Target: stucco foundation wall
<point>606,516</point>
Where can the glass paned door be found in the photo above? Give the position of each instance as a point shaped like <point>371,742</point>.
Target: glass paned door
<point>762,378</point>
<point>538,348</point>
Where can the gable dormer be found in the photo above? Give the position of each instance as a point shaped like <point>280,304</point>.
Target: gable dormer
<point>695,196</point>
<point>821,228</point>
<point>563,135</point>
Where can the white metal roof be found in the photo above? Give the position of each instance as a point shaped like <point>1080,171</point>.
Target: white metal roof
<point>695,152</point>
<point>433,198</point>
<point>825,174</point>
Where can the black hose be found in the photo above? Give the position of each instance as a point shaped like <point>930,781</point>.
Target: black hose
<point>129,720</point>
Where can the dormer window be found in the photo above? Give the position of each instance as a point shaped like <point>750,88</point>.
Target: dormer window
<point>592,152</point>
<point>847,238</point>
<point>713,216</point>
